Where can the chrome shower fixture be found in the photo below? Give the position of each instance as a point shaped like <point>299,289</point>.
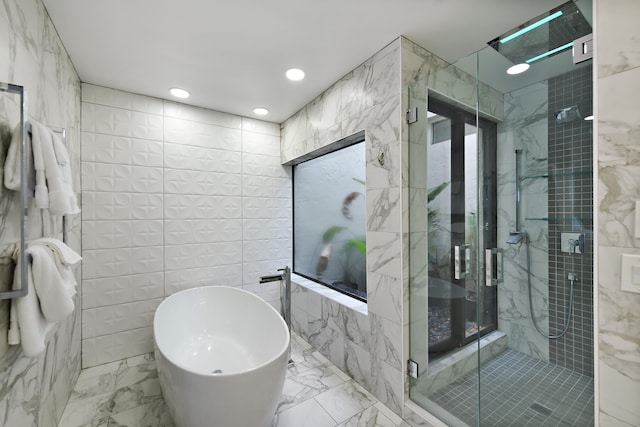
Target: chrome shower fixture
<point>568,115</point>
<point>515,237</point>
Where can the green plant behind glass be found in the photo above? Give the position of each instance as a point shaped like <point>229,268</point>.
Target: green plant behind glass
<point>351,248</point>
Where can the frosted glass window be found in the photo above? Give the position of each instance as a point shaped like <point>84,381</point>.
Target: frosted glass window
<point>329,220</point>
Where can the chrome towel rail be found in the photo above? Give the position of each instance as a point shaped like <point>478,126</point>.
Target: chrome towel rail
<point>24,199</point>
<point>63,134</point>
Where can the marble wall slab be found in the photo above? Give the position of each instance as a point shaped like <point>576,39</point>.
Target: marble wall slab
<point>524,128</point>
<point>372,97</point>
<point>368,98</point>
<point>452,367</point>
<point>35,390</point>
<point>618,159</point>
<point>174,197</point>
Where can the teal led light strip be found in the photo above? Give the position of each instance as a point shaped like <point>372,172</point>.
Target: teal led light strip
<point>551,52</point>
<point>531,27</point>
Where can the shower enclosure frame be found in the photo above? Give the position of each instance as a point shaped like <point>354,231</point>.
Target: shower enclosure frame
<point>486,212</point>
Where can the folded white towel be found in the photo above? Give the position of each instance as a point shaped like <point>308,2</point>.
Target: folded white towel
<point>63,253</point>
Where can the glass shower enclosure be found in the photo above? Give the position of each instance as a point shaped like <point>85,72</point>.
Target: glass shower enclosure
<point>501,220</point>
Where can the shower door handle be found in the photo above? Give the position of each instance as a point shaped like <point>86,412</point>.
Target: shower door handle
<point>490,280</point>
<point>457,261</point>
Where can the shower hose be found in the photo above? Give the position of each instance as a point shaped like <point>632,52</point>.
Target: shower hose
<point>533,317</point>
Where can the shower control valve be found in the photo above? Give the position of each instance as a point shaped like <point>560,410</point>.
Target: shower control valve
<point>572,243</point>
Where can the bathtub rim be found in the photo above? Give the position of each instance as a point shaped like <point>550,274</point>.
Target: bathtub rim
<point>284,351</point>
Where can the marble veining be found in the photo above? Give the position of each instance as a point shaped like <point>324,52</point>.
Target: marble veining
<point>316,393</point>
<point>618,76</point>
<point>361,339</point>
<point>525,128</point>
<point>34,391</point>
<point>620,49</point>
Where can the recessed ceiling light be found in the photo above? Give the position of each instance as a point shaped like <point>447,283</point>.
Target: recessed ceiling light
<point>261,111</point>
<point>518,68</point>
<point>589,117</point>
<point>179,93</point>
<point>295,74</point>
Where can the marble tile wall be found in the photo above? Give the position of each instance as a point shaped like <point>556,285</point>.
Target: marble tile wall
<point>367,98</point>
<point>418,70</point>
<point>618,187</point>
<point>373,97</point>
<point>35,390</point>
<point>525,128</point>
<point>174,197</point>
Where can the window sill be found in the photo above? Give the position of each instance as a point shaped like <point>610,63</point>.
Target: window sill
<point>329,293</point>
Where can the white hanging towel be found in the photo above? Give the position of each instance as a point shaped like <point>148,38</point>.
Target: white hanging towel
<point>42,146</point>
<point>49,159</point>
<point>51,287</point>
<point>62,157</point>
<point>63,257</point>
<point>12,163</point>
<point>27,326</point>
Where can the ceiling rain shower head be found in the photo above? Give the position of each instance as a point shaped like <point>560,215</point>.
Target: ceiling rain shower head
<point>543,37</point>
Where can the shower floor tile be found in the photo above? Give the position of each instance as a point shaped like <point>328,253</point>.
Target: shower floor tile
<point>316,394</point>
<point>519,390</point>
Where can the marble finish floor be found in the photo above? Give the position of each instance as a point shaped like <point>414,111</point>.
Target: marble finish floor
<point>316,394</point>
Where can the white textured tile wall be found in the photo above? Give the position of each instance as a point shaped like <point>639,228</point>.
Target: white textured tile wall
<point>174,197</point>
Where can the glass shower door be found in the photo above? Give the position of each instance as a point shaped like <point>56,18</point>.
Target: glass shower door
<point>532,198</point>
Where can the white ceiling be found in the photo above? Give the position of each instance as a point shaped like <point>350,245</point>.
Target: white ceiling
<point>231,55</point>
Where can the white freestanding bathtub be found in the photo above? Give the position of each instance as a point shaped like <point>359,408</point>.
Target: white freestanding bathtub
<point>222,356</point>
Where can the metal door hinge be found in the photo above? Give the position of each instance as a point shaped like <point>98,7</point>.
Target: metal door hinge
<point>412,115</point>
<point>412,369</point>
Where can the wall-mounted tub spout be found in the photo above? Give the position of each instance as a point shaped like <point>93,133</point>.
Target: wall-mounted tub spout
<point>285,297</point>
